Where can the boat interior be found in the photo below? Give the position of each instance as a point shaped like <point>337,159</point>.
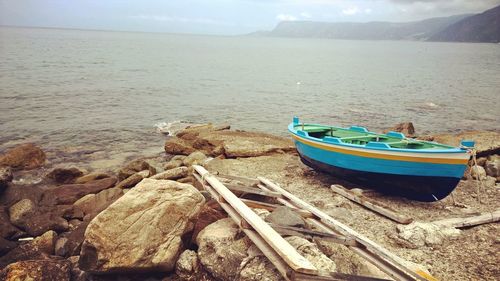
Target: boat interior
<point>361,136</point>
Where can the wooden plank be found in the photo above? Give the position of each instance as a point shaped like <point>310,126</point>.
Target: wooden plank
<point>270,207</point>
<point>470,221</point>
<point>252,190</point>
<point>280,245</point>
<point>371,205</point>
<point>334,276</point>
<point>404,272</point>
<point>314,234</point>
<point>251,181</point>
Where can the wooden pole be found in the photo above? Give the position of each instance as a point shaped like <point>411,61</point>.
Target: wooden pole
<point>371,205</point>
<point>470,221</point>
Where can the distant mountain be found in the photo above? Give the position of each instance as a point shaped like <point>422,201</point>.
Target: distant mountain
<point>484,27</point>
<point>418,30</point>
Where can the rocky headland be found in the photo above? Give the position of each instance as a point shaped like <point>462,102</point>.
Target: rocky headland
<point>151,220</point>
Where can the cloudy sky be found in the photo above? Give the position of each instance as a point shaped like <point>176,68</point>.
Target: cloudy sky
<point>220,16</point>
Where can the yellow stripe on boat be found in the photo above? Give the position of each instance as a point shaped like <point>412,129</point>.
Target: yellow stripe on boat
<point>383,156</point>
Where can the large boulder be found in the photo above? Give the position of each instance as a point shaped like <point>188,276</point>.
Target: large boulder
<point>487,142</point>
<point>134,167</point>
<point>25,156</point>
<point>222,249</point>
<point>143,230</point>
<point>64,174</point>
<point>69,193</point>
<point>5,177</point>
<point>37,270</point>
<point>39,248</point>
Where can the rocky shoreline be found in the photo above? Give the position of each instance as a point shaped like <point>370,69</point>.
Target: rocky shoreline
<point>151,220</point>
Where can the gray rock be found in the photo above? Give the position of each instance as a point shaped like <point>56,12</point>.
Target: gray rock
<point>172,164</point>
<point>420,234</point>
<point>21,211</point>
<point>285,216</point>
<point>222,249</point>
<point>134,167</point>
<point>133,179</point>
<point>143,230</point>
<point>312,253</point>
<point>188,266</point>
<point>95,203</point>
<point>347,261</point>
<point>256,267</point>
<point>173,174</point>
<point>195,158</point>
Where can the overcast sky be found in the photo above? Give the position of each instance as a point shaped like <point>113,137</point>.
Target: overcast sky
<point>220,16</point>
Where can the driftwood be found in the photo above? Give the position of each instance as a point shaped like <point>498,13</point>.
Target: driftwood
<point>287,260</point>
<point>385,260</point>
<point>470,221</point>
<point>371,204</point>
<point>267,233</point>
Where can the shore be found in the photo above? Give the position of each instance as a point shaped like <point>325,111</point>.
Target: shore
<point>148,218</point>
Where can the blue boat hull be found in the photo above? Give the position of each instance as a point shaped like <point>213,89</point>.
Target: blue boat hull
<point>420,188</point>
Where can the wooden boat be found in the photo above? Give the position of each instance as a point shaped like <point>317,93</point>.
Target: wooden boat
<point>390,163</point>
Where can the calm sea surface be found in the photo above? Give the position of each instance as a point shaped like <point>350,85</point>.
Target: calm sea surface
<point>102,92</point>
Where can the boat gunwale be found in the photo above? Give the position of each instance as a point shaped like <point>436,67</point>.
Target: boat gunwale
<point>451,149</point>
